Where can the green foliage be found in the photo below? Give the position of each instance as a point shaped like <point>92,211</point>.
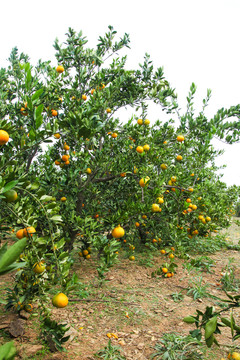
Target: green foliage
<point>198,289</point>
<point>53,334</point>
<point>7,351</point>
<point>174,346</point>
<point>110,352</point>
<point>211,321</point>
<point>203,263</point>
<point>177,296</point>
<point>229,280</point>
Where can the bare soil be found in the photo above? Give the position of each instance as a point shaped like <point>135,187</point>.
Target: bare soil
<point>135,306</point>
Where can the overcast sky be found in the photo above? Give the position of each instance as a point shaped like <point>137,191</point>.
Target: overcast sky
<point>194,40</point>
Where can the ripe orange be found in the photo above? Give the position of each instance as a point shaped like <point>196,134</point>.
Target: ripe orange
<point>118,232</point>
<point>164,270</point>
<point>54,112</point>
<point>4,137</point>
<point>10,195</point>
<point>114,135</point>
<point>180,138</point>
<point>84,97</point>
<point>88,256</point>
<point>162,251</point>
<point>144,181</point>
<point>20,234</point>
<point>108,110</point>
<point>190,189</point>
<point>140,149</point>
<point>123,174</point>
<point>131,257</point>
<point>208,218</point>
<point>137,224</point>
<point>65,158</point>
<point>66,147</point>
<point>88,171</point>
<point>57,162</point>
<point>60,69</point>
<point>57,136</point>
<point>194,207</point>
<point>169,275</point>
<point>173,179</point>
<point>29,231</point>
<point>144,217</point>
<point>28,308</point>
<point>179,158</point>
<point>171,256</point>
<point>146,122</point>
<point>60,300</point>
<point>188,200</point>
<point>156,208</point>
<point>63,199</point>
<point>92,91</point>
<point>38,268</point>
<point>24,111</point>
<point>140,121</point>
<point>85,252</point>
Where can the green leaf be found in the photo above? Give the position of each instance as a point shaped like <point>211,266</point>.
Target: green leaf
<point>7,351</point>
<point>12,253</point>
<point>9,186</point>
<point>189,319</point>
<point>46,198</point>
<point>37,94</point>
<point>210,327</point>
<point>209,341</point>
<point>56,218</point>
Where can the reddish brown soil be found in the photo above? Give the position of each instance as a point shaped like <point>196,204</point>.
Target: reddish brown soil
<point>135,307</point>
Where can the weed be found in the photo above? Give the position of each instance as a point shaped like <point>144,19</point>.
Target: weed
<point>229,280</point>
<point>110,352</point>
<point>177,296</point>
<point>203,263</point>
<point>198,289</point>
<point>174,346</point>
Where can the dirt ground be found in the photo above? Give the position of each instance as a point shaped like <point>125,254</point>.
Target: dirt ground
<point>135,306</point>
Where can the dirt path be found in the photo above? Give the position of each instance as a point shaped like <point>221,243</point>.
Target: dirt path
<point>136,307</point>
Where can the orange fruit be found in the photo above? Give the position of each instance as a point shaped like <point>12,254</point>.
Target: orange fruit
<point>188,200</point>
<point>66,147</point>
<point>85,252</point>
<point>87,256</point>
<point>88,171</point>
<point>20,234</point>
<point>137,224</point>
<point>38,268</point>
<point>28,308</point>
<point>29,230</point>
<point>140,121</point>
<point>108,110</point>
<point>164,270</point>
<point>118,232</point>
<point>10,195</point>
<point>140,149</point>
<point>54,112</point>
<point>92,91</point>
<point>60,69</point>
<point>60,300</point>
<point>163,166</point>
<point>190,189</point>
<point>84,97</point>
<point>4,137</point>
<point>156,208</point>
<point>208,218</point>
<point>63,199</point>
<point>65,158</point>
<point>146,147</point>
<point>57,162</point>
<point>171,256</point>
<point>194,207</point>
<point>123,174</point>
<point>179,158</point>
<point>114,135</point>
<point>23,111</point>
<point>173,179</point>
<point>144,217</point>
<point>131,257</point>
<point>180,138</point>
<point>144,181</point>
<point>160,200</point>
<point>146,122</point>
<point>162,251</point>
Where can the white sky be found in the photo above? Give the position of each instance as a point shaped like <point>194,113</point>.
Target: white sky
<point>194,40</point>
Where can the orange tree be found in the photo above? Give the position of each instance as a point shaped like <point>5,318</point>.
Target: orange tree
<point>156,180</point>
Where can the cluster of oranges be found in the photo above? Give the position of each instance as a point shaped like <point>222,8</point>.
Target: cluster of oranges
<point>85,253</point>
